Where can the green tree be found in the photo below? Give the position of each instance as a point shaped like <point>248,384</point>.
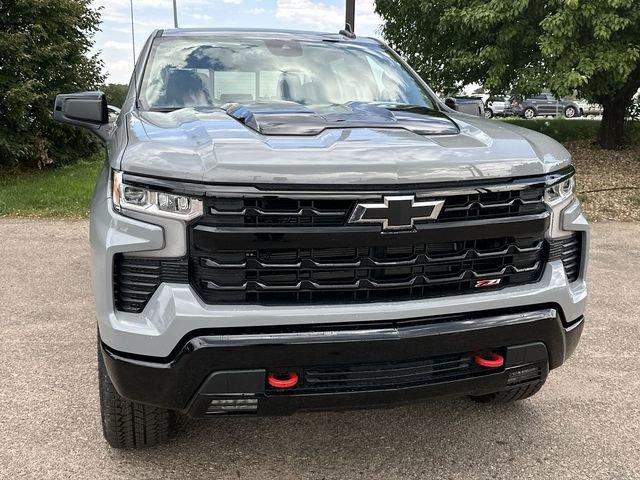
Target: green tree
<point>593,46</point>
<point>116,93</point>
<point>525,46</point>
<point>44,50</point>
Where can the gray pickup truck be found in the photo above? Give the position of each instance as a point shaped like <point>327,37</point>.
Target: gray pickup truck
<point>293,220</point>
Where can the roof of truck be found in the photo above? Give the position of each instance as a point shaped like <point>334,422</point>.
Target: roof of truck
<point>262,33</point>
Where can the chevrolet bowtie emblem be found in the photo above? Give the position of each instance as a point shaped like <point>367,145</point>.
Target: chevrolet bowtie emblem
<point>397,213</point>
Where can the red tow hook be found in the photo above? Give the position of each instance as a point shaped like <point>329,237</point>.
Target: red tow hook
<point>495,361</point>
<point>282,380</point>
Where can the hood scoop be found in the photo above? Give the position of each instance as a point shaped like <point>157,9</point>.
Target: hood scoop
<point>290,118</point>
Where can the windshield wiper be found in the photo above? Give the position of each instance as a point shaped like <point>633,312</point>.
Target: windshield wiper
<point>165,109</point>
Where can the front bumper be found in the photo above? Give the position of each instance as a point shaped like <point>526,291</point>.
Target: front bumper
<point>231,364</point>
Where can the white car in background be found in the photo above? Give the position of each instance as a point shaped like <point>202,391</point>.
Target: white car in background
<point>499,106</point>
<point>589,109</point>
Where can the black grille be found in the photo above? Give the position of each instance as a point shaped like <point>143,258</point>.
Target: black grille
<point>276,211</point>
<point>402,271</point>
<point>569,251</point>
<point>369,376</point>
<point>136,279</point>
<point>269,211</point>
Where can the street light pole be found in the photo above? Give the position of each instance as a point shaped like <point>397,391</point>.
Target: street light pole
<point>175,14</point>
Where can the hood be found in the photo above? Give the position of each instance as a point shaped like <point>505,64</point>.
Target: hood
<point>350,145</point>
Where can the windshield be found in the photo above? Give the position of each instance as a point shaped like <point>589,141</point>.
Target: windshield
<point>210,72</point>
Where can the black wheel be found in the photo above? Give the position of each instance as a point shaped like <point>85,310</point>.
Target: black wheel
<point>128,424</point>
<point>488,113</point>
<point>529,113</point>
<point>509,395</point>
<point>570,112</point>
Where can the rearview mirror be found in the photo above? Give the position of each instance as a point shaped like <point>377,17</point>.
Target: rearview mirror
<point>83,109</point>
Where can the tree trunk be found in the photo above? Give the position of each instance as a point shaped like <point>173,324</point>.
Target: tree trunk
<point>611,133</point>
<point>614,111</point>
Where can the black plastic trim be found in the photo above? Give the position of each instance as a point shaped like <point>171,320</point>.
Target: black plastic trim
<point>231,238</point>
<point>328,327</point>
<point>175,383</point>
<point>196,187</point>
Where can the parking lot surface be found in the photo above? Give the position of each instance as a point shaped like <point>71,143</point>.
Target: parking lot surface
<point>585,423</point>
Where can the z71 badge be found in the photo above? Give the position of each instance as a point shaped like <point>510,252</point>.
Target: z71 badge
<point>488,283</point>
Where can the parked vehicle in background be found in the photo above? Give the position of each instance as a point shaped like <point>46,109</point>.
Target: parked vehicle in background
<point>589,109</point>
<point>499,106</point>
<point>470,105</point>
<point>546,105</point>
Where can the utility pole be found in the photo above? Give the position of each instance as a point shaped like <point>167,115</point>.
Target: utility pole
<point>175,14</point>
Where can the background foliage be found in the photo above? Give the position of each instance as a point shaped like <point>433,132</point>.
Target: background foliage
<point>116,93</point>
<point>525,46</point>
<point>44,50</point>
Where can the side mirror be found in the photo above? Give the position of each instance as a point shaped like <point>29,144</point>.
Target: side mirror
<point>83,109</point>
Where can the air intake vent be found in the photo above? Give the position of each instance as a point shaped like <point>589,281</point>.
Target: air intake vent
<point>569,251</point>
<point>370,376</point>
<point>136,279</point>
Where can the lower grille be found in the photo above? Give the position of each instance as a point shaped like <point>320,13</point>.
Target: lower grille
<point>569,250</point>
<point>136,279</point>
<point>385,375</point>
<point>364,274</point>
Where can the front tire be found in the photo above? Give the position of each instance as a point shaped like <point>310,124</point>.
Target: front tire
<point>509,395</point>
<point>529,113</point>
<point>127,424</point>
<point>570,112</point>
<point>488,113</point>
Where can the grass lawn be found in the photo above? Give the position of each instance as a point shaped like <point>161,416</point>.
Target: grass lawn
<point>61,192</point>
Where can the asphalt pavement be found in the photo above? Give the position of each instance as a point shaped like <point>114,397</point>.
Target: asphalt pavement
<point>584,424</point>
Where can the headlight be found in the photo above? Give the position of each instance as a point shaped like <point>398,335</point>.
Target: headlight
<point>140,199</point>
<point>564,191</point>
<point>559,193</point>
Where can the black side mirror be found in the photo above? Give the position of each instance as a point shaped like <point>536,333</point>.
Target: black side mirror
<point>83,109</point>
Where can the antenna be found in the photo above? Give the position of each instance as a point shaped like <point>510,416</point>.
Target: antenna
<point>133,44</point>
<point>350,20</point>
<point>175,14</point>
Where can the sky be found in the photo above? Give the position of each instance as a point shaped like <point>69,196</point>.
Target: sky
<point>113,41</point>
